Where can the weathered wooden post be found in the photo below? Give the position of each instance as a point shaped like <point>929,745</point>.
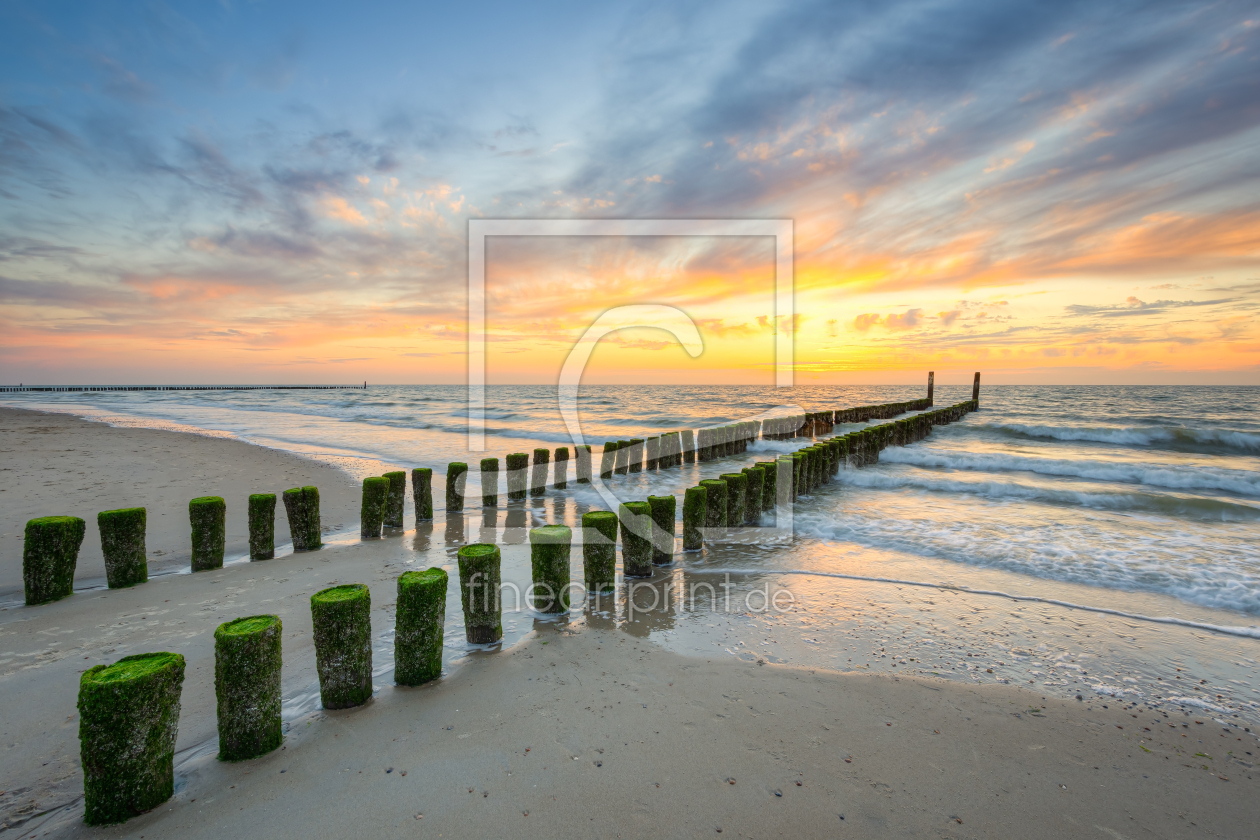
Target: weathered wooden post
<point>583,453</point>
<point>663,530</point>
<point>931,379</point>
<point>479,582</point>
<point>562,468</point>
<point>262,529</point>
<point>634,457</point>
<point>688,446</point>
<point>418,626</point>
<point>456,481</point>
<point>695,509</point>
<point>549,550</point>
<point>128,721</point>
<point>422,492</point>
<point>372,509</point>
<point>752,499</point>
<point>517,476</point>
<point>489,482</point>
<point>301,506</point>
<point>715,502</point>
<point>394,499</point>
<point>653,447</point>
<point>247,663</point>
<point>975,390</point>
<point>608,459</point>
<point>208,517</point>
<point>736,493</point>
<point>342,622</point>
<point>636,541</point>
<point>538,477</point>
<point>599,550</point>
<point>122,543</point>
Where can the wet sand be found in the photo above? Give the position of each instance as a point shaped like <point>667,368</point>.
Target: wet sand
<point>579,730</point>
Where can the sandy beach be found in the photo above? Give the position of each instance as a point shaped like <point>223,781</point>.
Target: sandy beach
<point>579,730</point>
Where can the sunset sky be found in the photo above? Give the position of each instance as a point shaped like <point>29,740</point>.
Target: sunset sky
<point>279,192</point>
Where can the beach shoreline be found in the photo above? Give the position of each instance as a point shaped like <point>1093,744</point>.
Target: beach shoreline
<point>634,739</point>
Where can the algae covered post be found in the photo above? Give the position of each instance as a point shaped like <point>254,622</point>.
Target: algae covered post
<point>599,550</point>
<point>663,530</point>
<point>479,582</point>
<point>608,459</point>
<point>752,498</point>
<point>490,482</point>
<point>549,549</point>
<point>122,543</point>
<point>247,662</point>
<point>128,721</point>
<point>538,479</point>
<point>583,453</point>
<point>694,509</point>
<point>456,479</point>
<point>715,503</point>
<point>636,541</point>
<point>689,446</point>
<point>395,497</point>
<point>421,615</point>
<point>342,627</point>
<point>372,509</point>
<point>301,505</point>
<point>208,517</point>
<point>422,492</point>
<point>562,468</point>
<point>517,478</point>
<point>736,490</point>
<point>262,526</point>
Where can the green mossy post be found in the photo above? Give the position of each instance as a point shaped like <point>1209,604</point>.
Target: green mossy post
<point>262,526</point>
<point>128,720</point>
<point>418,624</point>
<point>456,480</point>
<point>608,460</point>
<point>422,492</point>
<point>752,498</point>
<point>49,556</point>
<point>538,478</point>
<point>561,474</point>
<point>599,550</point>
<point>583,453</point>
<point>372,509</point>
<point>122,543</point>
<point>301,506</point>
<point>694,510</point>
<point>247,664</point>
<point>652,449</point>
<point>549,550</point>
<point>517,476</point>
<point>715,504</point>
<point>664,509</point>
<point>479,581</point>
<point>769,471</point>
<point>490,482</point>
<point>636,540</point>
<point>342,619</point>
<point>208,517</point>
<point>736,493</point>
<point>394,499</point>
<point>634,457</point>
<point>688,447</point>
<point>623,457</point>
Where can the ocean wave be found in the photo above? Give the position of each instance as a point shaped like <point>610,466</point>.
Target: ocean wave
<point>1178,477</point>
<point>1190,563</point>
<point>1172,437</point>
<point>1188,507</point>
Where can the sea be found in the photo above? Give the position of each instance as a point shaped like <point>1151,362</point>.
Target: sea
<point>1099,543</point>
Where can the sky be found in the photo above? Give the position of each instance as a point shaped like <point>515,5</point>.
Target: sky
<point>281,192</point>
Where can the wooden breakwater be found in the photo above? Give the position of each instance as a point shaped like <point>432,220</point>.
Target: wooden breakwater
<point>83,388</point>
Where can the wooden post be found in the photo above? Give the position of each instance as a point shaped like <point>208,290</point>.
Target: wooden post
<point>931,376</point>
<point>975,389</point>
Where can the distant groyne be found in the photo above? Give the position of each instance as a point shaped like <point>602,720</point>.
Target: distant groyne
<point>79,388</point>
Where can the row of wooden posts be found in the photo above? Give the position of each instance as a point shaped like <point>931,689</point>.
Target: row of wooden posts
<point>136,700</point>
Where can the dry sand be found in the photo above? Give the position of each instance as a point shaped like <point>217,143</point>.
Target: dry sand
<point>581,730</point>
